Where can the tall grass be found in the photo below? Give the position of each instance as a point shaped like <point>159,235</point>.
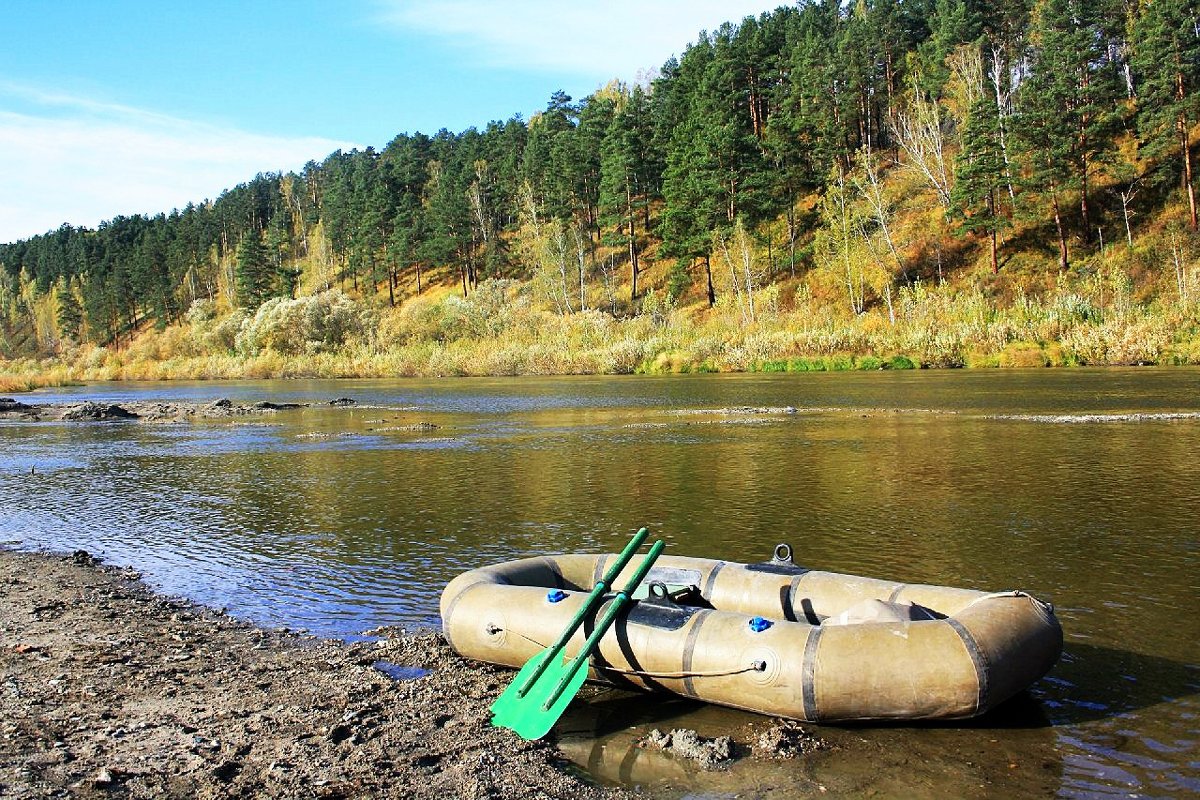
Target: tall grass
<point>502,330</point>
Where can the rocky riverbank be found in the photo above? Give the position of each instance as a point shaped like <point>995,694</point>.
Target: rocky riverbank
<point>108,690</point>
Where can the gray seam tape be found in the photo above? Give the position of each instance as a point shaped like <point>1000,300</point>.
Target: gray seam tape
<point>689,647</point>
<point>978,659</point>
<point>712,580</point>
<point>552,565</point>
<point>808,680</point>
<point>450,612</point>
<point>598,573</point>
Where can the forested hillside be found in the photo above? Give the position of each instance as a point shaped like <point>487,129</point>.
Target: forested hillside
<point>929,182</point>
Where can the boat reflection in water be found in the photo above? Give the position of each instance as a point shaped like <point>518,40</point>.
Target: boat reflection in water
<point>1009,752</point>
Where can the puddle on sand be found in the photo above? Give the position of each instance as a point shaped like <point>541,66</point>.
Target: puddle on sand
<point>400,672</point>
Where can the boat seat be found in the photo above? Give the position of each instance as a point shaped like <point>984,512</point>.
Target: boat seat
<point>880,611</point>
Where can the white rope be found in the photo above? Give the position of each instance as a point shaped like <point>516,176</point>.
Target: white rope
<point>757,666</point>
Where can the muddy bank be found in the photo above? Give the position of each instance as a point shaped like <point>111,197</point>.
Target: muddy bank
<point>107,690</point>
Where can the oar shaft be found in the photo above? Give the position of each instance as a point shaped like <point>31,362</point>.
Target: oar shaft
<point>590,603</point>
<point>610,615</point>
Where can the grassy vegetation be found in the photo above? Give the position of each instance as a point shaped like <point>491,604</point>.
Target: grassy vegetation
<point>503,329</point>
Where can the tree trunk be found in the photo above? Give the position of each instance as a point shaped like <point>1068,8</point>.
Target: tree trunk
<point>712,293</point>
<point>791,228</point>
<point>991,205</point>
<point>633,254</point>
<point>1185,146</point>
<point>996,66</point>
<point>1062,234</point>
<point>1085,217</point>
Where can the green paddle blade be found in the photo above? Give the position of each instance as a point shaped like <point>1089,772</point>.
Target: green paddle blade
<point>526,714</point>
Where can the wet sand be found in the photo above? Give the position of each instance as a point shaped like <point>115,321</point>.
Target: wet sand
<point>108,690</point>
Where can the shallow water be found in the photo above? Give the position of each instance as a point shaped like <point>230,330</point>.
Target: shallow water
<point>1064,483</point>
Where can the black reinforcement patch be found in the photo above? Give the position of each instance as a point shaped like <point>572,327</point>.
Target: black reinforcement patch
<point>777,569</point>
<point>665,616</point>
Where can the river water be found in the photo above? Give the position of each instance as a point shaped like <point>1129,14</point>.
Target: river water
<point>1079,486</point>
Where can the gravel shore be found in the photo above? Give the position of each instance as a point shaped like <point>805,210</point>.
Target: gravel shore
<point>108,690</point>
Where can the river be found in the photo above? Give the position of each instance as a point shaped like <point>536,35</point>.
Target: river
<point>1079,486</point>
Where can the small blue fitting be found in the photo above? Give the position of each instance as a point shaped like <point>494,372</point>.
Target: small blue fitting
<point>758,624</point>
<point>556,596</point>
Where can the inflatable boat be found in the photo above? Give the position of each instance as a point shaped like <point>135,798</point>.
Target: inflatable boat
<point>771,637</point>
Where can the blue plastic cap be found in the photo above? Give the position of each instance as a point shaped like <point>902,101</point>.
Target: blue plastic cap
<point>758,624</point>
<point>556,596</point>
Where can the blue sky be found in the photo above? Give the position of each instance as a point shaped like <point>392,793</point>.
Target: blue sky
<point>114,107</point>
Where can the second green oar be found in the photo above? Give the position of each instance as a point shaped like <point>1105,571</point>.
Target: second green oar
<point>503,708</point>
<point>533,715</point>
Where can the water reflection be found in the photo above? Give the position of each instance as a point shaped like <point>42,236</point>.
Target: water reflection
<point>341,520</point>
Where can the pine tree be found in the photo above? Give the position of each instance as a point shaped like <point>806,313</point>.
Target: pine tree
<point>979,175</point>
<point>70,313</point>
<point>1167,59</point>
<point>1065,118</point>
<point>623,183</point>
<point>254,273</point>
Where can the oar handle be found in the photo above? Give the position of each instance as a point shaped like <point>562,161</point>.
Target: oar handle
<point>634,545</point>
<point>592,599</point>
<point>605,622</point>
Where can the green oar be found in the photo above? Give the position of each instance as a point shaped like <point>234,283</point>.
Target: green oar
<point>533,714</point>
<point>535,666</point>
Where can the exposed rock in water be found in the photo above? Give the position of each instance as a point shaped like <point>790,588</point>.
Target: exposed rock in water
<point>343,401</point>
<point>416,427</point>
<point>8,404</point>
<point>686,743</point>
<point>143,410</point>
<point>97,412</point>
<point>84,559</point>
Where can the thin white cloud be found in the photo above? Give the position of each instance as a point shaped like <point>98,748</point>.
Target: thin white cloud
<point>598,40</point>
<point>75,160</point>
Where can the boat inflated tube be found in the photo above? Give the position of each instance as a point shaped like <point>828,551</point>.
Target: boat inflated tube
<point>775,637</point>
